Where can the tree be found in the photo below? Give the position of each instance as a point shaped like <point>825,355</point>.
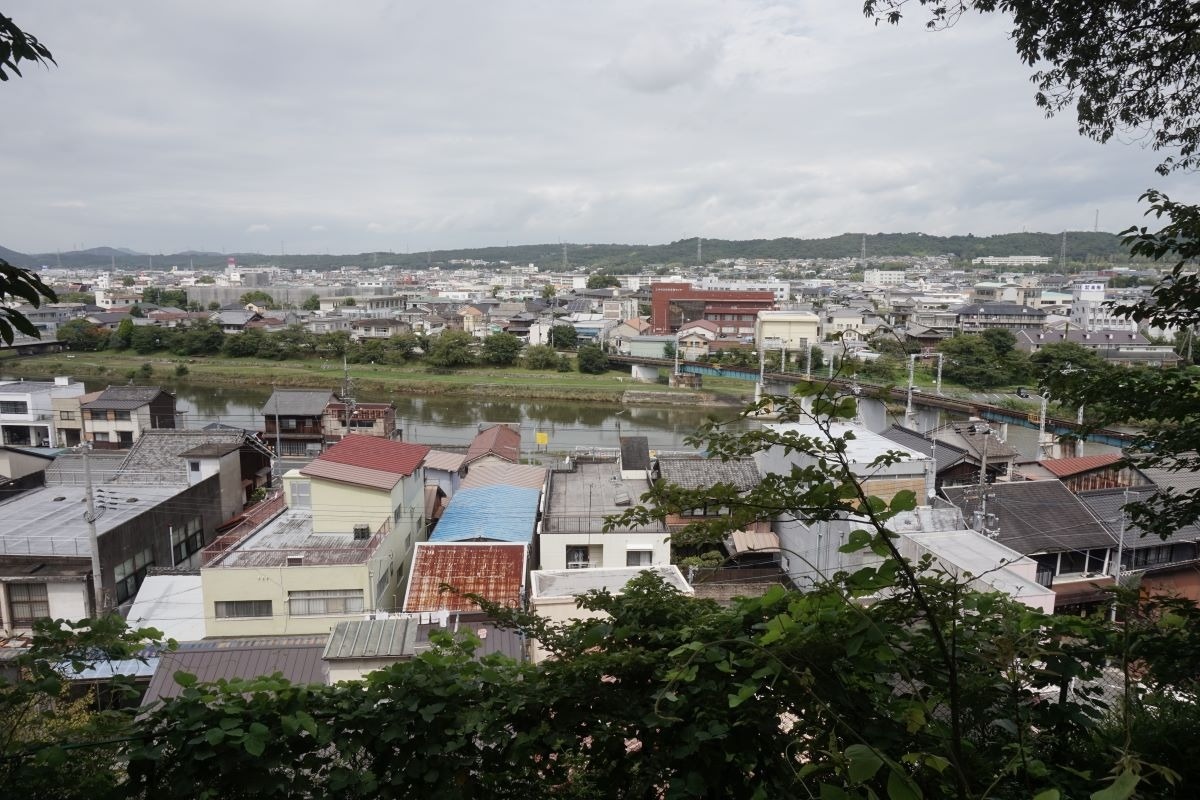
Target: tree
<point>312,303</point>
<point>541,356</point>
<point>591,359</point>
<point>501,349</point>
<point>147,339</point>
<point>200,339</point>
<point>668,350</point>
<point>350,302</point>
<point>18,284</point>
<point>257,297</point>
<point>123,334</point>
<point>136,311</point>
<point>972,360</point>
<point>452,349</point>
<point>602,280</point>
<point>243,345</point>
<point>548,291</point>
<point>1059,356</point>
<point>81,335</point>
<point>128,281</point>
<point>563,337</point>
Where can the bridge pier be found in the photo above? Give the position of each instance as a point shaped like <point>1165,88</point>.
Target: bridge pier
<point>644,373</point>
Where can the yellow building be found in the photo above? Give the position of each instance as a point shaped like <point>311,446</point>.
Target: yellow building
<point>338,549</point>
<point>793,330</point>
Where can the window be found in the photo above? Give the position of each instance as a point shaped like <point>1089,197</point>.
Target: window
<point>289,424</point>
<point>638,558</point>
<point>577,557</point>
<point>14,407</point>
<point>66,415</point>
<point>381,587</point>
<point>186,540</point>
<point>232,609</point>
<point>301,494</point>
<point>325,601</point>
<point>121,415</point>
<point>27,602</point>
<point>194,466</point>
<point>130,573</point>
<point>1147,556</point>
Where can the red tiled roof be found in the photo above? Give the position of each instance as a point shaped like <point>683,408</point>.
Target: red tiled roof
<point>498,440</point>
<point>1066,467</point>
<point>372,452</point>
<point>493,571</point>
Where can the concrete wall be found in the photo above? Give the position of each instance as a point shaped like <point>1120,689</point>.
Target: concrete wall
<point>610,548</point>
<point>274,583</point>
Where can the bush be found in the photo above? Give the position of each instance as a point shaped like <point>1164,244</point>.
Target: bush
<point>181,370</point>
<point>592,360</point>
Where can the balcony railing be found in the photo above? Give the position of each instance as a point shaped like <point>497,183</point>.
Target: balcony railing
<point>271,507</point>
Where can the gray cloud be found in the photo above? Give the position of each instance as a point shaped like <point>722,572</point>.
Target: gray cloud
<point>409,127</point>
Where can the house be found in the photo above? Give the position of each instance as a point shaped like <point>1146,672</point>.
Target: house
<point>294,420</point>
<point>695,339</point>
<point>493,513</point>
<point>1086,473</point>
<point>152,508</point>
<point>377,328</point>
<point>27,411</point>
<point>365,419</point>
<point>579,500</point>
<point>334,546</point>
<point>553,592</point>
<point>36,587</point>
<point>494,443</point>
<point>795,331</point>
<point>652,346</point>
<point>119,415</point>
<point>620,334</point>
<point>1119,347</point>
<point>495,571</point>
<point>977,317</point>
<point>697,472</point>
<point>233,322</point>
<point>23,468</point>
<point>980,444</point>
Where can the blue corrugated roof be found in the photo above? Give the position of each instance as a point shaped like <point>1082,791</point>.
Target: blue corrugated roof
<point>494,513</point>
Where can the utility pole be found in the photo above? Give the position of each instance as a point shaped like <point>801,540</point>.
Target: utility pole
<point>699,251</point>
<point>93,537</point>
<point>912,366</point>
<point>808,362</point>
<point>1116,570</point>
<point>940,357</point>
<point>278,441</point>
<point>347,394</point>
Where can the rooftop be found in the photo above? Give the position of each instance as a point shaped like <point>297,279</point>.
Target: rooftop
<point>174,604</point>
<point>698,472</point>
<point>394,637</point>
<point>297,402</point>
<point>574,582</point>
<point>368,460</point>
<point>528,476</point>
<point>1066,467</point>
<point>864,448</point>
<point>499,440</point>
<point>441,460</point>
<point>495,513</point>
<point>290,536</point>
<point>158,455</point>
<point>1035,516</point>
<point>124,398</point>
<point>298,658</point>
<point>493,571</point>
<point>50,521</point>
<point>580,500</point>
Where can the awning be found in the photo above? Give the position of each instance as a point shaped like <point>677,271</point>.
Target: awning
<point>643,546</point>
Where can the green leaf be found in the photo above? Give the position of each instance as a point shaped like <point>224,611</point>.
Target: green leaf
<point>830,792</point>
<point>864,762</point>
<point>905,500</point>
<point>1049,794</point>
<point>899,787</point>
<point>254,745</point>
<point>1120,789</point>
<point>856,541</point>
<point>214,736</point>
<point>185,679</point>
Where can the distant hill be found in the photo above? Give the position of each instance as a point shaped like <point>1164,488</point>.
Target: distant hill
<point>1081,246</point>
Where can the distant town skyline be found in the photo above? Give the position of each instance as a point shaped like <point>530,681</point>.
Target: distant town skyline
<point>306,128</point>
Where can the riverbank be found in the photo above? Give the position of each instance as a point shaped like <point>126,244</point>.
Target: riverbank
<point>406,379</point>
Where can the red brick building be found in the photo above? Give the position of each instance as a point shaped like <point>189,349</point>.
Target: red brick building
<point>733,312</point>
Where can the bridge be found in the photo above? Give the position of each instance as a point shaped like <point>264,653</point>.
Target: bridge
<point>1054,425</point>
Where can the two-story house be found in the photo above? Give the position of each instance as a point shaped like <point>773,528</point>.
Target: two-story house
<point>27,410</point>
<point>117,416</point>
<point>338,546</point>
<point>294,420</point>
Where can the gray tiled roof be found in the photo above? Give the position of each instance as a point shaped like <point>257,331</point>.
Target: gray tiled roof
<point>298,402</point>
<point>694,472</point>
<point>124,398</point>
<point>635,452</point>
<point>1035,516</point>
<point>157,456</point>
<point>944,455</point>
<point>1179,480</point>
<point>1106,505</point>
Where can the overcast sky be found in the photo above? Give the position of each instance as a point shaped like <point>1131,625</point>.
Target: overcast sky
<point>348,127</point>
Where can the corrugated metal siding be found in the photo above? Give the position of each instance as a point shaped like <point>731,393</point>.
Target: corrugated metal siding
<point>526,476</point>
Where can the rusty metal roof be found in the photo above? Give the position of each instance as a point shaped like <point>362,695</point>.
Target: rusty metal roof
<point>493,571</point>
<point>1065,467</point>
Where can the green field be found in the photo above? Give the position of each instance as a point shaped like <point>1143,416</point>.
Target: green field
<point>417,379</point>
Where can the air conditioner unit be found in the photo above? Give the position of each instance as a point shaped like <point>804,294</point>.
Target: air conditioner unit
<point>362,531</point>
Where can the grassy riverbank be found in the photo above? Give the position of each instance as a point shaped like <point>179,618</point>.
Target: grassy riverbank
<point>412,379</point>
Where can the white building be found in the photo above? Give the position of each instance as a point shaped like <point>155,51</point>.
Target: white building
<point>883,277</point>
<point>1089,313</point>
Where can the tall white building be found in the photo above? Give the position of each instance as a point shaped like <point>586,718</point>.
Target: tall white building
<point>1088,312</point>
<point>883,277</point>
